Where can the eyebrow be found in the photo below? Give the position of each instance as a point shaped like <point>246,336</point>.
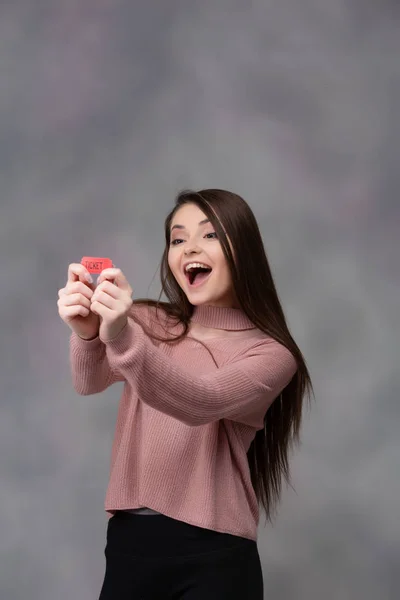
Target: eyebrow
<point>203,222</point>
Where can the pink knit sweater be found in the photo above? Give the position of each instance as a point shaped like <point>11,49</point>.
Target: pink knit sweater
<point>188,414</point>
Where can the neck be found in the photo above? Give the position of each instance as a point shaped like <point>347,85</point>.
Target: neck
<point>218,317</point>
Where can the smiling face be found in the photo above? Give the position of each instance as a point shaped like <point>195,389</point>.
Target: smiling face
<point>197,261</point>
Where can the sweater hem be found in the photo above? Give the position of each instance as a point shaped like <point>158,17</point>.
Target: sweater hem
<point>194,522</point>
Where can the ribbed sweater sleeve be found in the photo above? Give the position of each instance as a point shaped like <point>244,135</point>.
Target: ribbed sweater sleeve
<point>241,390</point>
<point>90,368</point>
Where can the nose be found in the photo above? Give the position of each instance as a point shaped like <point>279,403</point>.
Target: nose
<point>191,251</point>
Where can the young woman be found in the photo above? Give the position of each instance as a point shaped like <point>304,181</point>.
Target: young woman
<point>212,403</point>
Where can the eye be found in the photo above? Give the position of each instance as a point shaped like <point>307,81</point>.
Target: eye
<point>210,236</point>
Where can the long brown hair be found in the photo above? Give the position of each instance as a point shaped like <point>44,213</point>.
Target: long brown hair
<point>234,222</point>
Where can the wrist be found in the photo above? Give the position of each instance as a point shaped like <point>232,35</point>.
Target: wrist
<point>87,339</point>
<point>115,331</point>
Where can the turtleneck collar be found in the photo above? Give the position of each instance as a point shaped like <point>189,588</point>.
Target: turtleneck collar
<point>218,317</point>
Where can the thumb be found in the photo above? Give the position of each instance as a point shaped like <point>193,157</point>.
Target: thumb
<point>116,276</point>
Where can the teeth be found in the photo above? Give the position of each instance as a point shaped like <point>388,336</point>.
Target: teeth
<point>196,266</point>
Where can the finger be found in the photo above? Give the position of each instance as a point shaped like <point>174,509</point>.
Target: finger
<point>110,274</point>
<point>74,300</point>
<point>77,272</point>
<point>105,299</point>
<point>77,287</point>
<point>103,311</point>
<point>109,288</point>
<point>116,276</point>
<point>70,312</point>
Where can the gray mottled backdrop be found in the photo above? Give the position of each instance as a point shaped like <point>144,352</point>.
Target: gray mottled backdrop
<point>107,109</point>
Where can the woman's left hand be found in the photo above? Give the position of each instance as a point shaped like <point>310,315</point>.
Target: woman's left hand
<point>111,300</point>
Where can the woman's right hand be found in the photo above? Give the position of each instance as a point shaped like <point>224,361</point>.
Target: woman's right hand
<point>74,303</point>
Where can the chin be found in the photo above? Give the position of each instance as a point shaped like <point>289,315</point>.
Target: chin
<point>196,301</point>
<point>205,299</point>
<point>206,296</point>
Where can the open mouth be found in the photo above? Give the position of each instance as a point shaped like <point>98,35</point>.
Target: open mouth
<point>197,274</point>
